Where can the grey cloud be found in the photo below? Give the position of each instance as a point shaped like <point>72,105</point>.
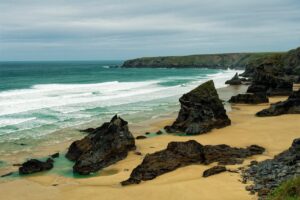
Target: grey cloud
<point>103,29</point>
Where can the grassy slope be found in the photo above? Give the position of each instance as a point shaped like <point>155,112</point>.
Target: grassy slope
<point>289,190</point>
<point>233,60</point>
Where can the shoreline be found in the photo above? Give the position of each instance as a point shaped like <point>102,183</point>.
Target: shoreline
<point>186,182</point>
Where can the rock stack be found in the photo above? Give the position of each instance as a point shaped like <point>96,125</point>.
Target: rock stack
<point>201,110</point>
<point>106,145</point>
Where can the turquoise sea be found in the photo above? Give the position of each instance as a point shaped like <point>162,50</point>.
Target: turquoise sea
<point>38,98</point>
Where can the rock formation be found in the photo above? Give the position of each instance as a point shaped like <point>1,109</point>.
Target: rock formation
<point>201,110</point>
<point>33,166</point>
<point>266,83</point>
<point>269,174</point>
<point>290,106</point>
<point>249,98</point>
<point>180,154</point>
<point>235,80</point>
<point>105,146</point>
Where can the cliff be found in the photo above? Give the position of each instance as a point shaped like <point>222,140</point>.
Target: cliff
<point>214,61</point>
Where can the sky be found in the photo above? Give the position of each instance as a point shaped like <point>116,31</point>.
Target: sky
<point>125,29</point>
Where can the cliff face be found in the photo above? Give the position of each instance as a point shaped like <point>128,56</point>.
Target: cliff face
<point>214,61</point>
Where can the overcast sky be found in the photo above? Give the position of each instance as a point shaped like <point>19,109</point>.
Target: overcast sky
<point>111,29</point>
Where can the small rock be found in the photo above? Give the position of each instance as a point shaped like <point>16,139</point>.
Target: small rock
<point>138,153</point>
<point>56,155</point>
<point>8,174</point>
<point>214,170</point>
<point>159,132</point>
<point>141,137</point>
<point>147,133</point>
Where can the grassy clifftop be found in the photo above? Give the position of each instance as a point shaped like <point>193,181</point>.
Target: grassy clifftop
<point>219,61</point>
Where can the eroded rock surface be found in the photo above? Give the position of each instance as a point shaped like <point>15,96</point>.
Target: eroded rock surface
<point>249,99</point>
<point>34,165</point>
<point>180,154</point>
<point>201,110</point>
<point>290,106</point>
<point>106,145</point>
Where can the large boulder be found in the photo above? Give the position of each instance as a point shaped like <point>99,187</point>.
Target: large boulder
<point>180,154</point>
<point>269,84</point>
<point>33,166</point>
<point>290,106</point>
<point>201,110</point>
<point>105,146</point>
<point>249,98</point>
<point>235,80</point>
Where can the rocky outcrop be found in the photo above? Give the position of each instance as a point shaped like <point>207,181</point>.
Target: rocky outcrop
<point>266,83</point>
<point>33,166</point>
<point>235,80</point>
<point>226,155</point>
<point>214,170</point>
<point>180,154</point>
<point>249,98</point>
<point>107,145</point>
<point>269,174</point>
<point>201,110</point>
<point>290,106</point>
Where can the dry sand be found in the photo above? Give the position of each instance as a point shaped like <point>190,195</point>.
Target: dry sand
<point>274,133</point>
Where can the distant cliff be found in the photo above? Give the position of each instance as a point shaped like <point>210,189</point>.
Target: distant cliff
<point>215,61</point>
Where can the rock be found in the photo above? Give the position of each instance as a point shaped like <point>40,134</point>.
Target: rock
<point>140,137</point>
<point>107,145</point>
<point>177,154</point>
<point>33,166</point>
<point>269,174</point>
<point>214,170</point>
<point>290,106</point>
<point>159,132</point>
<point>226,155</point>
<point>147,133</point>
<point>249,99</point>
<point>7,174</point>
<point>235,80</point>
<point>180,154</point>
<point>56,155</point>
<point>201,110</point>
<point>88,130</point>
<point>270,85</point>
<point>138,153</point>
<point>17,165</point>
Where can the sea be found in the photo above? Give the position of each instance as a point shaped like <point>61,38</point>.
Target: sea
<point>39,98</point>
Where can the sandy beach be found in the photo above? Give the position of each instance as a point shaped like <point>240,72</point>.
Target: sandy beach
<point>274,133</point>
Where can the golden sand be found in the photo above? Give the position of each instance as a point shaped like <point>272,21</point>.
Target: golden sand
<point>274,133</point>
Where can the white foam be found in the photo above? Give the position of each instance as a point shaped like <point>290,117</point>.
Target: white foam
<point>70,99</point>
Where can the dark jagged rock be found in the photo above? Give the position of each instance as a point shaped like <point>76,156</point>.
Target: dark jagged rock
<point>88,130</point>
<point>201,110</point>
<point>141,137</point>
<point>177,154</point>
<point>33,166</point>
<point>269,174</point>
<point>235,80</point>
<point>107,145</point>
<point>267,83</point>
<point>214,170</point>
<point>226,155</point>
<point>180,154</point>
<point>290,106</point>
<point>249,98</point>
<point>56,155</point>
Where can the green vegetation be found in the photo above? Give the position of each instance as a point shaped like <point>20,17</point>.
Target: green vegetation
<point>289,190</point>
<point>220,61</point>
